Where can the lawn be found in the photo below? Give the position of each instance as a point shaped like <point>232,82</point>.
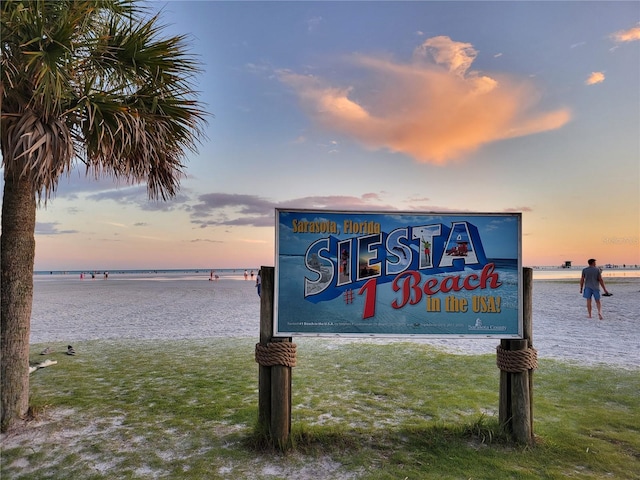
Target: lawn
<point>188,410</point>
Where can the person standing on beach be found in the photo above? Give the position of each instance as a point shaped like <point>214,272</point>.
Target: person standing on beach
<point>258,282</point>
<point>590,282</point>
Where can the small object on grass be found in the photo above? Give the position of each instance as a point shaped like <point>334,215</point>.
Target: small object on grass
<point>46,351</point>
<point>46,363</point>
<point>70,350</point>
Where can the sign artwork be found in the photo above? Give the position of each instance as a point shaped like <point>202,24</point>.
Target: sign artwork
<point>397,274</point>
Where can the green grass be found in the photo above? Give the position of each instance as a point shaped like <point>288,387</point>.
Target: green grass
<point>188,410</point>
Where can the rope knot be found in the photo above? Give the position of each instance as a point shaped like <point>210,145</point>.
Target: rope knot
<point>516,361</point>
<point>276,353</point>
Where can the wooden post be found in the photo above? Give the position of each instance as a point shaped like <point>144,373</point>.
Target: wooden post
<point>266,333</point>
<point>274,382</point>
<point>504,409</point>
<point>515,409</point>
<point>520,401</point>
<point>281,402</point>
<point>527,326</point>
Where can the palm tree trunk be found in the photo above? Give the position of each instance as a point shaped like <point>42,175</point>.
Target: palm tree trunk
<point>17,254</point>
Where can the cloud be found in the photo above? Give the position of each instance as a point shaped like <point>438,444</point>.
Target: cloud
<point>116,224</point>
<point>72,184</point>
<point>630,35</point>
<point>216,209</point>
<point>206,240</point>
<point>313,23</point>
<point>51,228</point>
<point>595,77</point>
<point>518,209</point>
<point>138,196</point>
<point>251,240</point>
<point>433,108</point>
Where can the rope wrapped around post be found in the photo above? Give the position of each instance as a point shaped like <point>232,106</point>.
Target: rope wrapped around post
<point>276,353</point>
<point>516,361</point>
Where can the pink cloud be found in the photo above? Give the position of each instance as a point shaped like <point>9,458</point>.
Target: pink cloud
<point>595,77</point>
<point>433,108</point>
<point>630,35</point>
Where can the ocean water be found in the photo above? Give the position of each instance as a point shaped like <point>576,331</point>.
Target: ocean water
<point>166,305</point>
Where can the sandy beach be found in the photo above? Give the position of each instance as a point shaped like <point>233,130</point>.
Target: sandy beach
<point>174,307</point>
<point>68,310</point>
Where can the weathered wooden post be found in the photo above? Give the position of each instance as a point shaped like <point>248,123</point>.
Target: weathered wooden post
<point>520,397</point>
<point>275,356</point>
<point>504,402</point>
<point>266,332</point>
<point>281,400</point>
<point>517,359</point>
<point>527,312</point>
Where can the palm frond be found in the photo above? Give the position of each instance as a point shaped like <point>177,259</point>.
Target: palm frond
<point>40,150</point>
<point>93,81</point>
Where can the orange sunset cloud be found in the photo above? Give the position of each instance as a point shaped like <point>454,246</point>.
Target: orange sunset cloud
<point>433,108</point>
<point>633,34</point>
<point>594,78</point>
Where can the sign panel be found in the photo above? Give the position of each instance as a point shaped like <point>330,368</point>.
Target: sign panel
<point>398,274</point>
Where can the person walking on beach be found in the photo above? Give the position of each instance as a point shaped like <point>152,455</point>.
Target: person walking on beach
<point>590,282</point>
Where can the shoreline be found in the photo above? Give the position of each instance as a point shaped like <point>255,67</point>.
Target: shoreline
<point>538,272</point>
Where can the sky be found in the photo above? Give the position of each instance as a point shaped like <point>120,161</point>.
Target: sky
<point>506,106</point>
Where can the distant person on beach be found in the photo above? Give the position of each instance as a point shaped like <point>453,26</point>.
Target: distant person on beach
<point>258,282</point>
<point>590,282</point>
<point>246,275</point>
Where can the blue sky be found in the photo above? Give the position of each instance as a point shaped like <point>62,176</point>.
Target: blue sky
<point>412,106</point>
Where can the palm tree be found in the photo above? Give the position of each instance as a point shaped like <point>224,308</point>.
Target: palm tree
<point>85,82</point>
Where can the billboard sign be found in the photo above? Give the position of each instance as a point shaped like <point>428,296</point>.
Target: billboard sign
<point>398,274</point>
